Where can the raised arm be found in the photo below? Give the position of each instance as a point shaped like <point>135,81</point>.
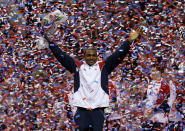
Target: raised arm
<point>66,61</point>
<point>117,57</point>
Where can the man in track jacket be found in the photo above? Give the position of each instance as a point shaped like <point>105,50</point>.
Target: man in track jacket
<point>91,94</point>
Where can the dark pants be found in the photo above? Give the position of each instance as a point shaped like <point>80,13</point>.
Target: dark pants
<point>89,119</point>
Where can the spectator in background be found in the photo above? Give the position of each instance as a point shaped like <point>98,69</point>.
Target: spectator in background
<point>158,91</point>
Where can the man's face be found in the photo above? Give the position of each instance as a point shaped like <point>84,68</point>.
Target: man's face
<point>90,56</point>
<point>155,73</point>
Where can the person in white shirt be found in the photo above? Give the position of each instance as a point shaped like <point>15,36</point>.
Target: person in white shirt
<point>157,100</point>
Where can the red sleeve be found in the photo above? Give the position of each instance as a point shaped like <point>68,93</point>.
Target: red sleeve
<point>101,64</point>
<point>163,92</point>
<point>78,63</point>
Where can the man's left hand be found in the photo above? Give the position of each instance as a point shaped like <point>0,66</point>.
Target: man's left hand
<point>133,35</point>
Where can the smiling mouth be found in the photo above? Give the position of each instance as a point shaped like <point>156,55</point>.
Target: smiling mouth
<point>91,62</point>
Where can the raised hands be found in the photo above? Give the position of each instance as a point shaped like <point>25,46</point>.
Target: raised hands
<point>133,35</point>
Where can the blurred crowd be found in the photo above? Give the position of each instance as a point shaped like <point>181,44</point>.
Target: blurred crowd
<point>34,86</point>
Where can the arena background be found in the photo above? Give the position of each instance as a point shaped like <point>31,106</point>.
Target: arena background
<point>34,86</point>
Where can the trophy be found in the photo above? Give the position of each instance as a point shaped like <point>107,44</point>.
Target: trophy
<point>50,24</point>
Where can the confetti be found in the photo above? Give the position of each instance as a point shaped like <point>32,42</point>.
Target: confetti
<point>34,86</point>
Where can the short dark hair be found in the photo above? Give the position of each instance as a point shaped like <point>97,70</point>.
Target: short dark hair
<point>160,64</point>
<point>90,48</point>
